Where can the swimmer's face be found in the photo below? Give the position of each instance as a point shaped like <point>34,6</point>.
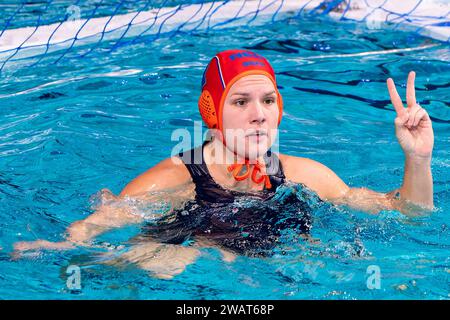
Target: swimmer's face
<point>250,116</point>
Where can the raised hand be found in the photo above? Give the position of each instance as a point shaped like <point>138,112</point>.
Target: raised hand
<point>412,125</point>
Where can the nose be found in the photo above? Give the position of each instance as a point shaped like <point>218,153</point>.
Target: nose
<point>257,114</point>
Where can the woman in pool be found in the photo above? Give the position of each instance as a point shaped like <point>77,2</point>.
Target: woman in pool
<point>240,102</point>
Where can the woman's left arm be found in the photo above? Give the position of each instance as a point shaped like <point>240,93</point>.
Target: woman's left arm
<point>415,134</point>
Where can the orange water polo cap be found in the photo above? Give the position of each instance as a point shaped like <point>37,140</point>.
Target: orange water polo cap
<point>222,72</point>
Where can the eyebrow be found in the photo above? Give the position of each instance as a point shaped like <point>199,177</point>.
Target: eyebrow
<point>245,94</point>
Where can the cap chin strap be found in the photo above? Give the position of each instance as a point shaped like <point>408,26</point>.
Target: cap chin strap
<point>236,168</point>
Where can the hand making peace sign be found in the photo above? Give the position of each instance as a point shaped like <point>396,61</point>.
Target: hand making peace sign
<point>412,125</point>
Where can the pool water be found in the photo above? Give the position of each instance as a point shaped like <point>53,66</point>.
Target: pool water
<point>71,129</point>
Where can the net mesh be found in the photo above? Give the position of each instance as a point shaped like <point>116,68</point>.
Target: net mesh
<point>36,28</point>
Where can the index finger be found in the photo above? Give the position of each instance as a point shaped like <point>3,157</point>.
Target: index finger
<point>395,98</point>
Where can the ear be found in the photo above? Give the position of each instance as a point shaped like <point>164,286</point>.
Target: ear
<point>207,109</point>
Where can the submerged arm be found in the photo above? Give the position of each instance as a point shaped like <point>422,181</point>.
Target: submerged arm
<point>105,218</point>
<point>80,233</point>
<point>160,184</point>
<point>413,197</point>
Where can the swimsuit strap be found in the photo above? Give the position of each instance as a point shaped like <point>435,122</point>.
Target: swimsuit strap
<point>205,185</point>
<point>274,169</point>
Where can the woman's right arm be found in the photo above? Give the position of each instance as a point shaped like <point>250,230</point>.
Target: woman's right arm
<point>167,181</point>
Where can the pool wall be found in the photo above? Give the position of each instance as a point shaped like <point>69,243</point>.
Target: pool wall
<point>428,18</point>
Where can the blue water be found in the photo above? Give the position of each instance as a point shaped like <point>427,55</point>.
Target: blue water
<point>71,129</point>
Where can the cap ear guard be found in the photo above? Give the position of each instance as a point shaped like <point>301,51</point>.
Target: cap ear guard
<point>207,109</point>
<point>280,107</point>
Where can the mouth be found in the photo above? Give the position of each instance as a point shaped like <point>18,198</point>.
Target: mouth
<point>257,136</point>
<point>258,133</point>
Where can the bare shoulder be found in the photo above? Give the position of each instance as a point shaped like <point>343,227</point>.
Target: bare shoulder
<point>315,175</point>
<point>170,173</point>
<point>302,169</point>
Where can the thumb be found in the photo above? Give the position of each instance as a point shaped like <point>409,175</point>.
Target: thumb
<point>401,119</point>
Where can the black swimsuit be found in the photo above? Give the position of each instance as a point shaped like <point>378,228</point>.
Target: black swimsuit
<point>246,223</point>
<point>207,190</point>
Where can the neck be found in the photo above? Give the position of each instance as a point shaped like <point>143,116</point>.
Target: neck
<point>218,158</point>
